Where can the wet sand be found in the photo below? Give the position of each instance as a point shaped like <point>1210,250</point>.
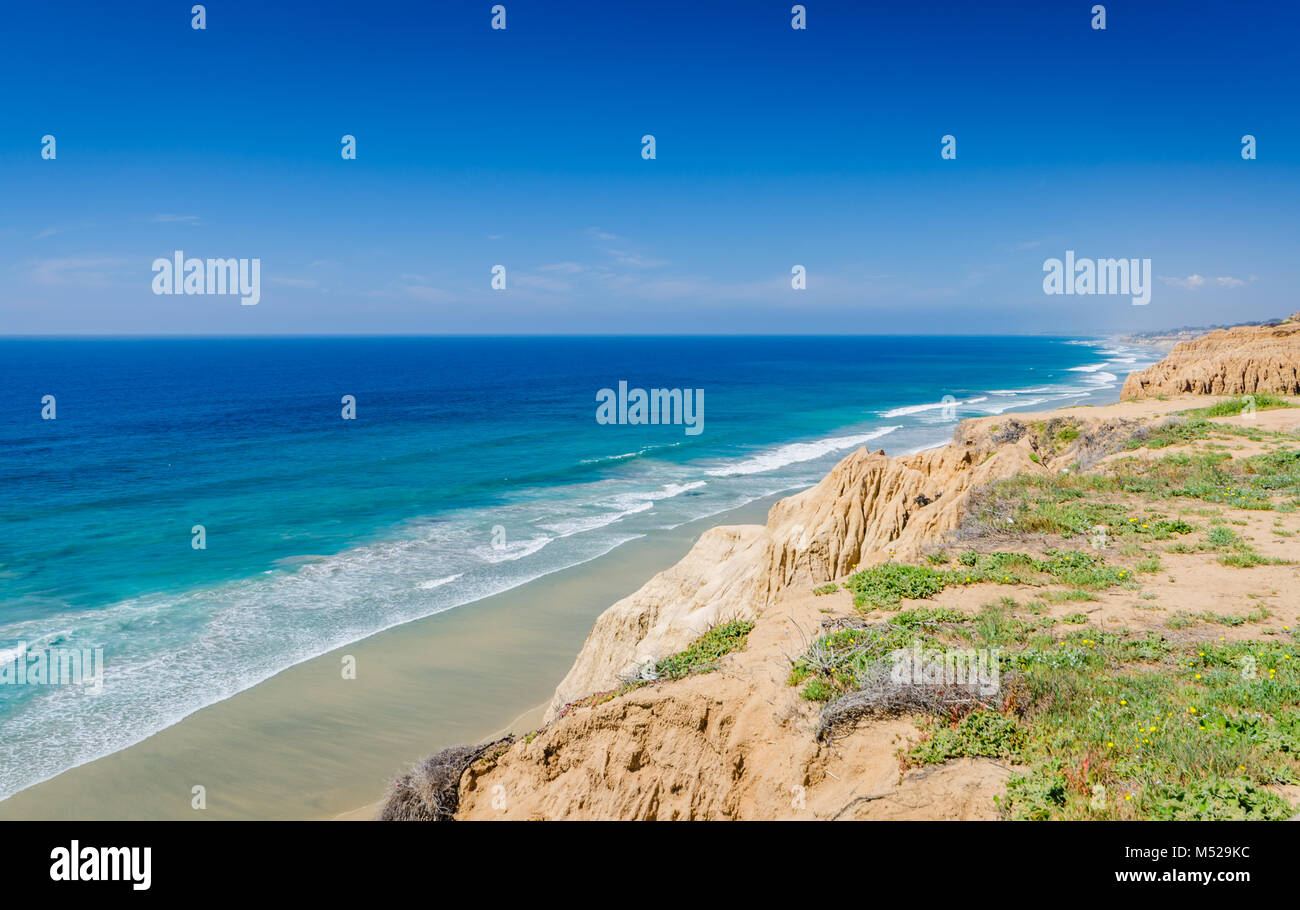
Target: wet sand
<point>309,744</point>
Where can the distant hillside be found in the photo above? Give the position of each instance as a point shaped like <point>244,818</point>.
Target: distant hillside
<point>1250,359</point>
<point>1165,339</point>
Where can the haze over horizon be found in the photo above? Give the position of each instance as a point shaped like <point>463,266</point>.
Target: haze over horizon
<point>522,147</point>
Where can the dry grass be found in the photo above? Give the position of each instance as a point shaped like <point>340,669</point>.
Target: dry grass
<point>431,791</point>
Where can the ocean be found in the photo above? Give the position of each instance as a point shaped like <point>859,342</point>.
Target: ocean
<point>473,465</point>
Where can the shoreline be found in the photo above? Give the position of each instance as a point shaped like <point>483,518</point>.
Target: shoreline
<point>587,583</point>
<point>306,744</point>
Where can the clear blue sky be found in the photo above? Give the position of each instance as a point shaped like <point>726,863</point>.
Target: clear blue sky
<point>775,147</point>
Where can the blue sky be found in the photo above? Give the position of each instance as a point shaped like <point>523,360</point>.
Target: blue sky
<point>522,147</point>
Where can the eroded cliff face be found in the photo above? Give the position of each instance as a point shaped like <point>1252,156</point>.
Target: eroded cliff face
<point>1244,360</point>
<point>739,742</point>
<point>870,506</point>
<point>868,509</point>
<point>715,582</point>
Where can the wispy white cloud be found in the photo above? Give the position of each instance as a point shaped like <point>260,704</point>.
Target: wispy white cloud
<point>1191,282</point>
<point>536,282</point>
<point>75,271</point>
<point>562,268</point>
<point>424,292</point>
<point>635,260</point>
<point>1195,282</point>
<point>410,286</point>
<point>61,229</point>
<point>176,219</point>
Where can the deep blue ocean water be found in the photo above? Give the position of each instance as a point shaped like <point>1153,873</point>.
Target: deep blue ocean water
<point>473,465</point>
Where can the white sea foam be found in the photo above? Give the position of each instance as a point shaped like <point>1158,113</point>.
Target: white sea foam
<point>439,582</point>
<point>626,455</point>
<point>667,491</point>
<point>623,504</point>
<point>1028,390</point>
<point>796,452</point>
<point>931,406</point>
<point>1001,408</point>
<point>585,523</point>
<point>9,655</point>
<point>168,655</point>
<point>509,552</point>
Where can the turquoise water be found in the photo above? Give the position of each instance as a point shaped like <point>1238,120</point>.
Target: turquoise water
<point>473,466</point>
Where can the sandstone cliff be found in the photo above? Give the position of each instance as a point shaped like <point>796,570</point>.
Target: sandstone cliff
<point>740,742</point>
<point>1241,360</point>
<point>868,508</point>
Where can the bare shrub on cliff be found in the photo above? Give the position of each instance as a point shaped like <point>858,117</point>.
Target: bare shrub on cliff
<point>1009,433</point>
<point>880,696</point>
<point>1102,438</point>
<point>988,514</point>
<point>431,791</point>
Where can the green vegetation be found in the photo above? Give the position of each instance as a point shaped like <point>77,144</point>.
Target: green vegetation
<point>819,689</point>
<point>1109,725</point>
<point>1057,433</point>
<point>1072,594</point>
<point>1120,725</point>
<point>888,584</point>
<point>1126,727</point>
<point>834,663</point>
<point>884,586</point>
<point>1116,724</point>
<point>829,588</point>
<point>978,734</point>
<point>1195,427</point>
<point>703,655</point>
<point>1245,483</point>
<point>1183,619</point>
<point>1074,505</point>
<point>1234,550</point>
<point>1231,407</point>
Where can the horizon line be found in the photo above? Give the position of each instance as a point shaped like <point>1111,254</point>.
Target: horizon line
<point>125,336</point>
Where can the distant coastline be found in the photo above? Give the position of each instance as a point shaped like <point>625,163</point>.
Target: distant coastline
<point>1164,339</point>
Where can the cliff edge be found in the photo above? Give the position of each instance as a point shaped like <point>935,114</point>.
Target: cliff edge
<point>1243,360</point>
<point>1108,551</point>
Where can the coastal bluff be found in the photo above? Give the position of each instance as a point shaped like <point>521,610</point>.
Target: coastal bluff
<point>625,738</point>
<point>869,508</point>
<point>1242,360</point>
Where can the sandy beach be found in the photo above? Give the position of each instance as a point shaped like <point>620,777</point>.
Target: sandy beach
<point>308,744</point>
